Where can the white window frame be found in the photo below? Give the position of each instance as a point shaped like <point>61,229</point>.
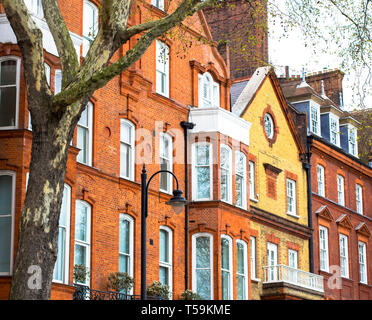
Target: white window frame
<point>362,254</point>
<point>162,68</point>
<point>293,263</point>
<point>35,7</point>
<point>272,268</point>
<point>57,83</point>
<point>353,143</point>
<point>253,246</point>
<point>229,174</point>
<point>243,176</point>
<point>334,120</point>
<point>12,213</point>
<point>245,262</point>
<point>89,110</point>
<point>291,184</point>
<point>315,108</point>
<point>167,265</point>
<point>229,270</point>
<point>158,4</point>
<point>17,85</point>
<point>89,38</point>
<point>340,190</point>
<point>344,257</point>
<point>194,171</point>
<point>359,198</point>
<point>86,243</point>
<point>131,148</point>
<point>66,262</point>
<point>321,180</point>
<point>324,248</point>
<point>193,242</point>
<point>169,158</point>
<point>213,91</point>
<point>130,254</point>
<point>252,180</point>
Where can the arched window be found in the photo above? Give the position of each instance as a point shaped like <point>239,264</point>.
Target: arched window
<point>202,265</point>
<point>202,184</point>
<point>166,161</point>
<point>240,179</point>
<point>165,256</point>
<point>126,241</point>
<point>209,91</point>
<point>127,149</point>
<point>241,270</point>
<point>82,236</point>
<point>226,268</point>
<point>226,173</point>
<point>90,25</point>
<point>9,91</point>
<point>62,263</point>
<point>7,202</point>
<point>85,135</point>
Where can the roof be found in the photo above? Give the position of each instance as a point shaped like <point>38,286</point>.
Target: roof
<point>236,89</point>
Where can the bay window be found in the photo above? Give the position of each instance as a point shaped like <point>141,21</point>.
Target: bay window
<point>208,91</point>
<point>225,173</point>
<point>241,270</point>
<point>226,268</point>
<point>202,171</point>
<point>240,179</point>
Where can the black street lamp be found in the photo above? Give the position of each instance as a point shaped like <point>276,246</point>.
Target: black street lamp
<point>177,202</point>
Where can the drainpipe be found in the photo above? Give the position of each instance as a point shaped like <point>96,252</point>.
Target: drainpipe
<point>307,167</point>
<point>186,125</point>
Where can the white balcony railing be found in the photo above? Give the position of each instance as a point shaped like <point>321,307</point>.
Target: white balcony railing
<point>283,273</point>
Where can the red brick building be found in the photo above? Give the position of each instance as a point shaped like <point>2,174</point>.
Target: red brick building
<point>340,187</point>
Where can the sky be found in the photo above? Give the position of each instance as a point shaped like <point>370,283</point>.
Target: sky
<point>289,49</point>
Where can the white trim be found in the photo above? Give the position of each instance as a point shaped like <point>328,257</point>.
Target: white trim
<point>229,174</point>
<point>89,110</point>
<point>351,128</point>
<point>359,198</point>
<point>340,190</point>
<point>168,265</point>
<point>316,106</point>
<point>244,176</point>
<point>12,214</point>
<point>17,84</point>
<point>65,275</point>
<point>124,216</point>
<point>292,184</point>
<point>326,262</point>
<point>272,247</point>
<point>333,117</point>
<point>194,172</point>
<point>245,262</point>
<point>321,191</point>
<point>346,256</point>
<point>131,146</point>
<point>162,67</point>
<point>253,257</point>
<point>87,244</point>
<point>364,254</point>
<point>230,269</point>
<point>169,158</point>
<point>193,240</point>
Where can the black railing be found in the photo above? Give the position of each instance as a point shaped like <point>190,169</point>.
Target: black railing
<point>86,293</point>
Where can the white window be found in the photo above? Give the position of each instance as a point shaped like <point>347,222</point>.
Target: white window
<point>36,7</point>
<point>202,265</point>
<point>82,236</point>
<point>62,263</point>
<point>272,261</point>
<point>90,25</point>
<point>344,256</point>
<point>209,91</point>
<point>226,268</point>
<point>359,198</point>
<point>252,180</point>
<point>340,190</point>
<point>353,146</point>
<point>253,257</point>
<point>291,197</point>
<point>334,131</point>
<point>202,173</point>
<point>158,3</point>
<point>315,119</point>
<point>7,202</point>
<point>9,92</point>
<point>165,257</point>
<point>85,135</point>
<point>362,262</point>
<point>58,81</point>
<point>166,155</point>
<point>323,248</point>
<point>240,179</point>
<point>269,125</point>
<point>127,149</point>
<point>225,173</point>
<point>292,263</point>
<point>321,184</point>
<point>241,270</point>
<point>162,68</point>
<point>126,240</point>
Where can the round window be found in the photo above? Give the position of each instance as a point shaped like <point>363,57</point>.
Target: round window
<point>269,126</point>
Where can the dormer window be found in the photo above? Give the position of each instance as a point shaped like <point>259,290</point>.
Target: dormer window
<point>334,131</point>
<point>314,119</point>
<point>353,148</point>
<point>209,91</point>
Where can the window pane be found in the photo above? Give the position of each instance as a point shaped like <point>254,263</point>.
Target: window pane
<point>125,160</point>
<point>240,258</point>
<point>225,254</point>
<point>64,208</point>
<point>203,182</point>
<point>8,106</point>
<point>80,254</point>
<point>164,176</point>
<point>239,190</point>
<point>58,82</point>
<point>81,222</point>
<point>203,284</point>
<point>82,143</point>
<point>202,155</point>
<point>124,231</point>
<point>8,72</point>
<point>225,283</point>
<point>241,287</point>
<point>123,263</point>
<point>164,275</point>
<point>60,262</point>
<point>164,246</point>
<point>5,237</point>
<point>202,252</point>
<point>5,195</point>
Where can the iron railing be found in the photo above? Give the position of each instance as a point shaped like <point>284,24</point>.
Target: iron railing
<point>300,278</point>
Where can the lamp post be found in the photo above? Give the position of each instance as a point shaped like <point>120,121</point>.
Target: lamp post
<point>177,202</point>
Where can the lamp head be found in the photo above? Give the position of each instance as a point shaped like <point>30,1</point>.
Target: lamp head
<point>177,202</point>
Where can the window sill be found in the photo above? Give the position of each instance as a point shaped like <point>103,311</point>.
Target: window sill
<point>253,199</point>
<point>293,215</point>
<point>255,280</point>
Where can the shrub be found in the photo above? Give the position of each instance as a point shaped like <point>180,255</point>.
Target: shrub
<point>119,281</point>
<point>190,295</point>
<point>81,272</point>
<point>157,289</point>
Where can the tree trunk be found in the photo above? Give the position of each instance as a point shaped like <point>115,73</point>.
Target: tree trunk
<point>38,234</point>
